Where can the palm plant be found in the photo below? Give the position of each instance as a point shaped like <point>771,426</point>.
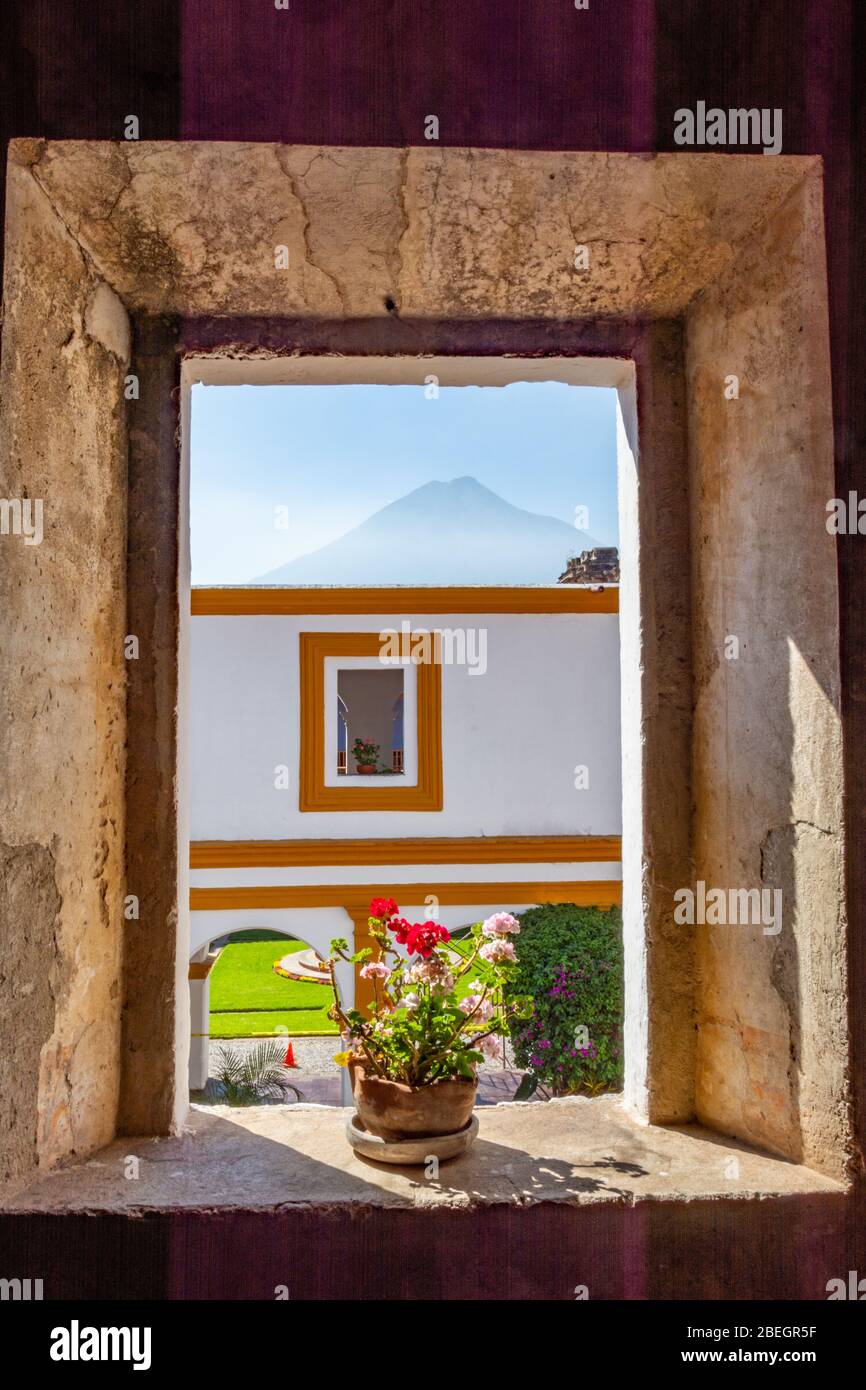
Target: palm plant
<point>254,1077</point>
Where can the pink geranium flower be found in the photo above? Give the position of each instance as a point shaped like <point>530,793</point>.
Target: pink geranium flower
<point>491,1047</point>
<point>375,970</point>
<point>501,924</point>
<point>497,950</point>
<point>472,1004</point>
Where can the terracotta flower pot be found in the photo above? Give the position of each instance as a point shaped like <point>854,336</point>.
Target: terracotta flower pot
<point>393,1110</point>
<point>366,768</point>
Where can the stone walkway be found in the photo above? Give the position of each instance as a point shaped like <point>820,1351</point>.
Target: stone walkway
<point>317,1076</point>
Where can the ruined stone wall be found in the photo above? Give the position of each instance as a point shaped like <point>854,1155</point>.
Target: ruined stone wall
<point>63,691</point>
<point>405,252</point>
<point>767,755</point>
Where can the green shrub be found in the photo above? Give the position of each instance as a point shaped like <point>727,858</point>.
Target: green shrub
<point>570,962</point>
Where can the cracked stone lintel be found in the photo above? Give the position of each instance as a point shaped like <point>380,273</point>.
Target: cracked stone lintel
<point>305,231</point>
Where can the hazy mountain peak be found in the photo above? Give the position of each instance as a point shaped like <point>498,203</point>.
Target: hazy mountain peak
<point>444,532</point>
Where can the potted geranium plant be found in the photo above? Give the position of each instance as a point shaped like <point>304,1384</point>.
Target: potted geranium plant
<point>366,755</point>
<point>438,1011</point>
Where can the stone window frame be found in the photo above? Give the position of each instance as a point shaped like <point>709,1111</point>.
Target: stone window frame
<point>141,259</point>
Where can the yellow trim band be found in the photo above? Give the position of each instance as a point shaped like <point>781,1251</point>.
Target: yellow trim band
<point>438,849</point>
<point>356,897</point>
<point>285,601</point>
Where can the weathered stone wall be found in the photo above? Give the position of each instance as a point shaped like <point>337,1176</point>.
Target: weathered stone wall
<point>767,788</point>
<point>383,244</point>
<point>62,714</point>
<point>192,228</point>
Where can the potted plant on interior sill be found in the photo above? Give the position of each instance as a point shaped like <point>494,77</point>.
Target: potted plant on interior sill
<point>366,755</point>
<point>438,1011</point>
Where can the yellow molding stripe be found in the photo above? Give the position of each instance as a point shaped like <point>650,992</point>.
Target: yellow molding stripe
<point>199,970</point>
<point>355,897</point>
<point>313,794</point>
<point>253,601</point>
<point>439,849</point>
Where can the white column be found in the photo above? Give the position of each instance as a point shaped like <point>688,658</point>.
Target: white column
<point>199,1002</point>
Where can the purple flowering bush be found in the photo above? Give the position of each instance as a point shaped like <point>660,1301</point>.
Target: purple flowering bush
<point>571,965</point>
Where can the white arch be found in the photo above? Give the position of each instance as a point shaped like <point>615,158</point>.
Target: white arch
<point>316,926</point>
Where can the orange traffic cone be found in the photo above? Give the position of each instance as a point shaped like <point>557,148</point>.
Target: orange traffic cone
<point>289,1059</point>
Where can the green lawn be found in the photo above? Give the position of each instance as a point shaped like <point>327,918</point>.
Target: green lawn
<point>249,1000</point>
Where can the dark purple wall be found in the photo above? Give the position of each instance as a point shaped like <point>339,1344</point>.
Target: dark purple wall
<point>783,1249</point>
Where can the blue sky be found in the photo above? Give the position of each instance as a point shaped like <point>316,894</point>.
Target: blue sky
<point>277,471</point>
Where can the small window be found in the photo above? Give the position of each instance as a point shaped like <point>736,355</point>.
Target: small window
<point>371,737</point>
<point>370,722</point>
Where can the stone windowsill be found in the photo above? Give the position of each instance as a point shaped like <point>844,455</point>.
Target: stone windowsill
<point>575,1151</point>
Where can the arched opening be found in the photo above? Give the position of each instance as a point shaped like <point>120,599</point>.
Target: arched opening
<point>342,735</point>
<point>259,999</point>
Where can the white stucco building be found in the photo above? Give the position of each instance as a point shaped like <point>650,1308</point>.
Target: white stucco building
<point>506,791</point>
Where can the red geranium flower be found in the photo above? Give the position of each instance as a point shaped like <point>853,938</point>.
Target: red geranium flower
<point>401,929</point>
<point>424,937</point>
<point>383,909</point>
